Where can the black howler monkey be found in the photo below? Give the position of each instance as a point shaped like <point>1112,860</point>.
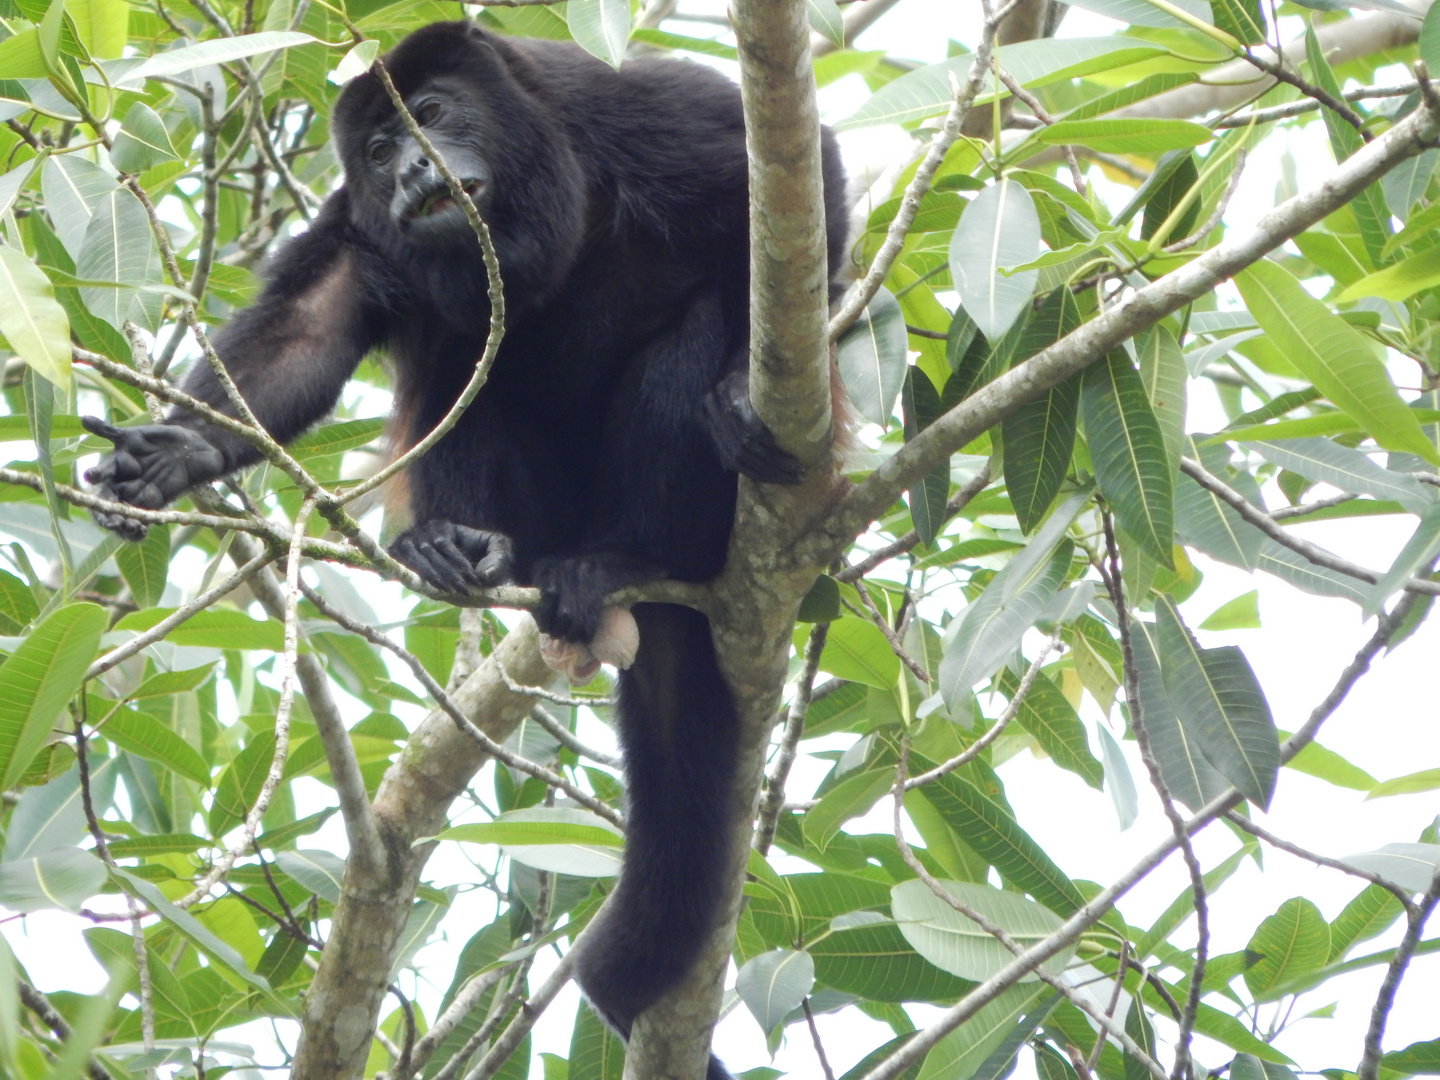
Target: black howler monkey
<point>604,448</point>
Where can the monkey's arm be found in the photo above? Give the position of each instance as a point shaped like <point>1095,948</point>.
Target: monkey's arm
<point>290,355</point>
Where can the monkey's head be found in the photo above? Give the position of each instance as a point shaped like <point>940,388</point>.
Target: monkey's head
<point>483,103</point>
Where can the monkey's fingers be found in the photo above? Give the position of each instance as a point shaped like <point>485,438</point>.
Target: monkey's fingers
<point>491,553</point>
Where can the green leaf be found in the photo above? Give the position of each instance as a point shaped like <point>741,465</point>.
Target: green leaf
<point>239,785</point>
<point>600,27</point>
<point>978,642</point>
<point>337,438</point>
<point>142,847</point>
<point>1049,717</point>
<point>999,229</point>
<point>954,943</point>
<point>1372,912</point>
<point>1343,364</point>
<point>355,62</point>
<point>921,403</point>
<point>218,952</point>
<point>926,91</point>
<point>1292,567</point>
<point>561,839</point>
<point>872,358</point>
<point>991,626</point>
<point>1220,702</point>
<point>217,628</point>
<point>963,1050</point>
<point>1126,136</point>
<point>1241,19</point>
<point>142,141</point>
<point>1241,613</point>
<point>1293,941</point>
<point>1372,214</point>
<point>119,247</point>
<point>1039,439</point>
<point>664,39</point>
<point>1127,449</point>
<point>218,51</point>
<point>1210,525</point>
<point>856,650</point>
<point>1162,369</point>
<point>32,320</point>
<point>825,20</point>
<point>145,565</point>
<point>1187,772</point>
<point>508,829</point>
<point>1420,1057</point>
<point>998,838</point>
<point>322,872</point>
<point>1327,462</point>
<point>876,962</point>
<point>773,985</point>
<point>143,735</point>
<point>848,799</point>
<point>1399,281</point>
<point>38,678</point>
<point>1411,866</point>
<point>64,878</point>
<point>72,187</point>
<point>21,58</point>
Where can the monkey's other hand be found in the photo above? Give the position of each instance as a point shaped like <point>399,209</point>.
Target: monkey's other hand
<point>741,438</point>
<point>151,466</point>
<point>455,558</point>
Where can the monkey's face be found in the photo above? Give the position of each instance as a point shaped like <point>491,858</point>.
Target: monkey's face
<point>399,172</point>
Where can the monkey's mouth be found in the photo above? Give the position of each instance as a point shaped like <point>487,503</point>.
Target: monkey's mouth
<point>440,200</point>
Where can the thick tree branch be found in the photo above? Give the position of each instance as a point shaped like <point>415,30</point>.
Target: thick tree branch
<point>789,363</point>
<point>1133,313</point>
<point>435,766</point>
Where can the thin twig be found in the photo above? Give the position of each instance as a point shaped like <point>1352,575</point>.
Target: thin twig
<point>891,637</point>
<point>1115,585</point>
<point>1281,73</point>
<point>863,291</point>
<point>772,802</point>
<point>465,1002</point>
<point>1297,108</point>
<point>1012,710</point>
<point>1266,524</point>
<point>568,740</point>
<point>1369,1067</point>
<point>1042,114</point>
<point>276,771</point>
<point>550,695</point>
<point>461,721</point>
<point>1080,1001</point>
<point>1240,821</point>
<point>40,1005</point>
<point>902,544</point>
<point>815,1038</point>
<point>1219,213</point>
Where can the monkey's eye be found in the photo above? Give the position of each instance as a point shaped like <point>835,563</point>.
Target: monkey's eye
<point>381,152</point>
<point>428,113</point>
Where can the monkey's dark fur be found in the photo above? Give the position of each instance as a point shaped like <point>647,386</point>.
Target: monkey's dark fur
<point>604,448</point>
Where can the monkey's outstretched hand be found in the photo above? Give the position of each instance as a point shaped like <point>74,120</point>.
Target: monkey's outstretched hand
<point>455,558</point>
<point>150,467</point>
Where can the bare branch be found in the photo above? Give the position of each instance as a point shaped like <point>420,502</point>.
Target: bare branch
<point>1266,524</point>
<point>773,801</point>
